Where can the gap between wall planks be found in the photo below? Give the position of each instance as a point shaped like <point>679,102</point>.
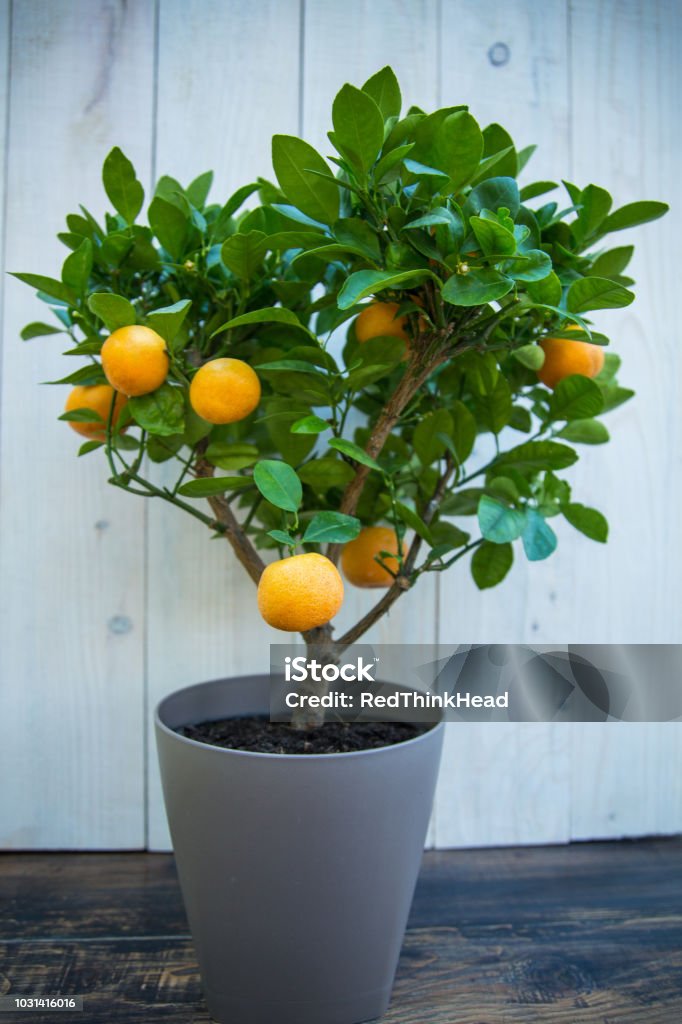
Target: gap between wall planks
<point>275,67</point>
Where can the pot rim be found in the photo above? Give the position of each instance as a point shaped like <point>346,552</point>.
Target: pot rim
<point>435,729</point>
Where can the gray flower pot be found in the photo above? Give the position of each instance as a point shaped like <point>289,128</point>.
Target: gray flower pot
<point>297,871</point>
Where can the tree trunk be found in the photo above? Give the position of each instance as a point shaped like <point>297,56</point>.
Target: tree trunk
<point>320,647</point>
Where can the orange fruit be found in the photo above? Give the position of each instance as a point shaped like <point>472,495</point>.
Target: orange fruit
<point>564,357</point>
<point>358,557</point>
<point>98,398</point>
<point>300,593</point>
<point>224,390</point>
<point>379,320</point>
<point>135,360</point>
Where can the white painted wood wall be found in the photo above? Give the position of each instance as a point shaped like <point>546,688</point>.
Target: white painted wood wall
<point>107,603</point>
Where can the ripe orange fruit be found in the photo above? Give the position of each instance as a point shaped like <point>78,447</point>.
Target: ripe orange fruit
<point>379,320</point>
<point>97,397</point>
<point>224,390</point>
<point>135,360</point>
<point>299,593</point>
<point>358,557</point>
<point>563,357</point>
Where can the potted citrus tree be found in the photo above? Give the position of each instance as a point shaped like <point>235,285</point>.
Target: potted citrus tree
<point>438,432</point>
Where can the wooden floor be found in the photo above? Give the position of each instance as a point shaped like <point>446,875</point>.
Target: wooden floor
<point>583,934</point>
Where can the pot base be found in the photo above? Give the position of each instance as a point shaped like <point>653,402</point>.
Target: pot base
<point>357,1009</point>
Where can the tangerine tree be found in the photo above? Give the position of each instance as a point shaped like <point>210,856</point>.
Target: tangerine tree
<point>393,353</point>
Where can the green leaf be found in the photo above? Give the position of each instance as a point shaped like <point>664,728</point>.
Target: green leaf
<point>596,293</point>
<point>353,451</point>
<point>576,398</point>
<point>538,455</point>
<point>498,522</point>
<point>209,486</point>
<point>588,520</point>
<point>463,430</point>
<point>161,412</point>
<point>531,356</point>
<point>476,288</point>
<point>282,538</point>
<point>81,416</point>
<point>632,214</point>
<point>331,528</point>
<point>427,444</point>
<point>89,446</point>
<point>595,203</point>
<point>47,285</point>
<point>243,254</point>
<point>462,503</point>
<point>369,282</point>
<point>414,521</point>
<point>491,563</point>
<point>535,265</point>
<point>614,395</point>
<point>492,237</point>
<point>384,89</point>
<point>197,191</point>
<point>545,292</point>
<point>423,170</point>
<point>497,142</point>
<point>121,186</point>
<point>388,168</point>
<point>283,240</point>
<point>309,425</point>
<point>38,330</point>
<point>539,539</point>
<point>170,224</point>
<point>270,315</point>
<point>323,474</point>
<point>237,199</point>
<point>447,536</point>
<point>279,484</point>
<point>168,320</point>
<point>613,262</point>
<point>537,188</point>
<point>161,449</point>
<point>231,457</point>
<point>358,127</point>
<point>281,413</point>
<point>78,267</point>
<point>585,432</point>
<point>358,234</point>
<point>494,407</point>
<point>451,143</point>
<point>113,310</point>
<point>293,159</point>
<point>86,376</point>
<point>493,194</point>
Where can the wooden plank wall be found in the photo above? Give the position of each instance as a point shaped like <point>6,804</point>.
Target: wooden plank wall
<point>107,604</point>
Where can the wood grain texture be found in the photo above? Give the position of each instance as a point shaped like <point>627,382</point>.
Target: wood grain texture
<point>71,548</point>
<point>626,95</point>
<point>202,615</point>
<point>581,934</point>
<point>510,783</point>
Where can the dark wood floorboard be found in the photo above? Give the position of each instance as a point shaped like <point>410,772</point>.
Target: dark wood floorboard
<point>581,934</point>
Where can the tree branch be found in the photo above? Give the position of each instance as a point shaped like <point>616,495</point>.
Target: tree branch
<point>402,581</point>
<point>241,545</point>
<point>418,370</point>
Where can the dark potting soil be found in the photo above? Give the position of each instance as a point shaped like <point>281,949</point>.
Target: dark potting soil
<point>262,736</point>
